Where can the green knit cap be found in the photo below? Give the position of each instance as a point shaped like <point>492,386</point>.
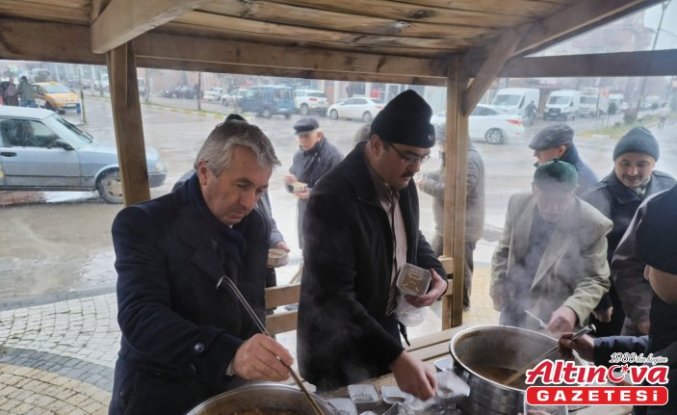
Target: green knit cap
<point>556,175</point>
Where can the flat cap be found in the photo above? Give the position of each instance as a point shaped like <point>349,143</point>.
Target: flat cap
<point>306,124</point>
<point>552,136</point>
<point>405,120</point>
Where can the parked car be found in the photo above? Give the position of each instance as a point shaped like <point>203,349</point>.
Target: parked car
<point>485,122</point>
<point>40,150</point>
<point>310,100</point>
<point>268,100</point>
<point>179,91</point>
<point>102,83</point>
<point>232,97</point>
<point>356,107</point>
<point>55,96</point>
<point>213,94</point>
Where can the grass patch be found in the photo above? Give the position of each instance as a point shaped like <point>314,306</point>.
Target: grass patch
<point>617,130</point>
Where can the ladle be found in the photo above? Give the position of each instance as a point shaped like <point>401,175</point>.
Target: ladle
<point>590,328</point>
<point>252,314</point>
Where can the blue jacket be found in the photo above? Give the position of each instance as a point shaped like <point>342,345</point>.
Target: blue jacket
<point>344,335</point>
<point>179,332</point>
<point>586,177</point>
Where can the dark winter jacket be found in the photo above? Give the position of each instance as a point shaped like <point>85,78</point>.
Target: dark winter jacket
<point>619,203</point>
<point>586,177</point>
<point>308,167</point>
<point>179,332</point>
<point>344,335</point>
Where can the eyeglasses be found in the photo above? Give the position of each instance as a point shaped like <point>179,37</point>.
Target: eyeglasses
<point>410,158</point>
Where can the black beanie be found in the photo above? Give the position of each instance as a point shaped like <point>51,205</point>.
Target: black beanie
<point>637,140</point>
<point>405,120</point>
<point>657,232</point>
<point>557,175</point>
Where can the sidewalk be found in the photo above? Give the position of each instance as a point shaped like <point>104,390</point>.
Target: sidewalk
<point>58,358</point>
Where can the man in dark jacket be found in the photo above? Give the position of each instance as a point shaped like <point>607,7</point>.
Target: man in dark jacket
<point>656,241</point>
<point>315,157</point>
<point>618,196</point>
<point>433,184</point>
<point>361,227</point>
<point>557,141</point>
<point>185,337</point>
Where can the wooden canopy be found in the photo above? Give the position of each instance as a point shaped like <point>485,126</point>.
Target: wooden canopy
<point>463,44</point>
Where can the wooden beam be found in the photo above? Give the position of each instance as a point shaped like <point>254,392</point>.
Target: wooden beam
<point>644,63</point>
<point>462,36</point>
<point>499,54</point>
<point>223,67</point>
<point>124,95</point>
<point>456,160</point>
<point>580,17</point>
<point>172,47</point>
<point>26,40</point>
<point>124,20</point>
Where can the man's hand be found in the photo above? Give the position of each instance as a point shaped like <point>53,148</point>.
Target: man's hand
<point>437,287</point>
<point>603,315</point>
<point>643,327</point>
<point>414,377</point>
<point>290,179</point>
<point>562,320</point>
<point>583,345</point>
<point>303,195</point>
<point>282,245</point>
<point>261,358</point>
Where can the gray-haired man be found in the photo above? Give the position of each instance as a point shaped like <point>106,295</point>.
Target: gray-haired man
<point>183,339</point>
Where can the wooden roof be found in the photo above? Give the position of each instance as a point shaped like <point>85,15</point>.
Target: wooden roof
<point>408,41</point>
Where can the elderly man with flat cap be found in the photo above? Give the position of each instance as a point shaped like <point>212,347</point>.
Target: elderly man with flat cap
<point>654,229</point>
<point>618,196</point>
<point>557,141</point>
<point>315,156</point>
<point>551,258</point>
<point>361,227</point>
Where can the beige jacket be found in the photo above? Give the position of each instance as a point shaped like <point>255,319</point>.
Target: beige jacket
<point>573,270</point>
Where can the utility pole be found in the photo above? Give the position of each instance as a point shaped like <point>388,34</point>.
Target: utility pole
<point>664,6</point>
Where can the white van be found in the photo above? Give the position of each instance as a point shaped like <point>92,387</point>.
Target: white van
<point>562,104</point>
<point>515,100</point>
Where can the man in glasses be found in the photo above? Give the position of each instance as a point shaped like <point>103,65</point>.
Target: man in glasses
<point>361,227</point>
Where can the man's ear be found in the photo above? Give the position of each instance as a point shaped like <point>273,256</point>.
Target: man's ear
<point>202,172</point>
<point>561,150</point>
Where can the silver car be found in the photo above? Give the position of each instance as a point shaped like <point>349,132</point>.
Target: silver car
<point>40,150</point>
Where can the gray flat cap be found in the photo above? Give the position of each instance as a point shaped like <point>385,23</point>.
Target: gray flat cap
<point>552,136</point>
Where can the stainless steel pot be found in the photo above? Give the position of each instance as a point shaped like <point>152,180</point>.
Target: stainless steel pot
<point>260,395</point>
<point>501,347</point>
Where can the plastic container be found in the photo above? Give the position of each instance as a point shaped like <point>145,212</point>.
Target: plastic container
<point>344,406</point>
<point>413,280</point>
<point>277,257</point>
<point>393,395</point>
<point>364,396</point>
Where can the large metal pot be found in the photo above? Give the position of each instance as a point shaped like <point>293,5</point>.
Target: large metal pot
<point>500,347</point>
<point>261,395</point>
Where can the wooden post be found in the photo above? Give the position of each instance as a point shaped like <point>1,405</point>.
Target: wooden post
<point>456,162</point>
<point>124,94</point>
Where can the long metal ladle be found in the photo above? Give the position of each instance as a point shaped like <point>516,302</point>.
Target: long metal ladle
<point>262,328</point>
<point>590,328</point>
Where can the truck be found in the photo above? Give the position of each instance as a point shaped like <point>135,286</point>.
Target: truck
<point>617,103</point>
<point>515,100</point>
<point>594,102</point>
<point>562,104</point>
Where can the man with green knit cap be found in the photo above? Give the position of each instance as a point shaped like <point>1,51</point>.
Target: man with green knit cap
<point>551,259</point>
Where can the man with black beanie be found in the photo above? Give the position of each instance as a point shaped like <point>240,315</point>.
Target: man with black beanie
<point>617,196</point>
<point>551,258</point>
<point>361,227</point>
